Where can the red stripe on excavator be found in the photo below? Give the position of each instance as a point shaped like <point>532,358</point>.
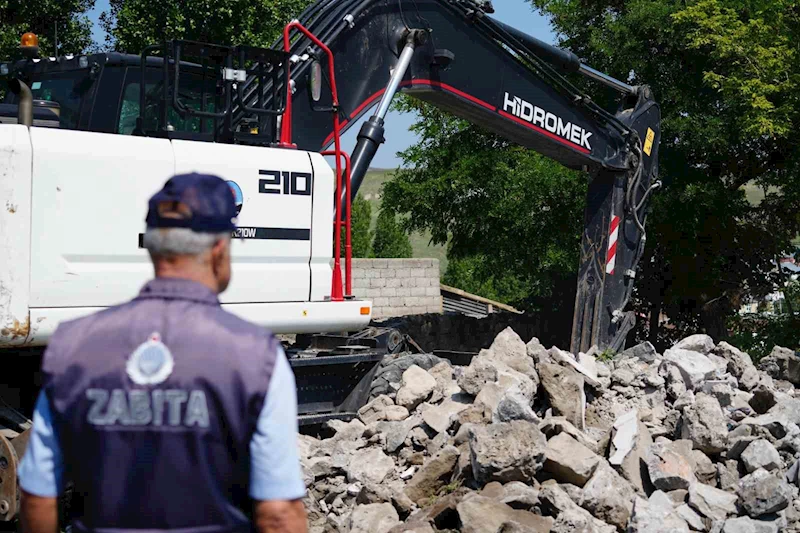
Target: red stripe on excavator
<point>369,101</point>
<point>543,131</point>
<point>466,96</point>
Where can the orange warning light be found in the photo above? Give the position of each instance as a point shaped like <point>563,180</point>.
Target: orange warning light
<point>29,40</point>
<point>365,310</point>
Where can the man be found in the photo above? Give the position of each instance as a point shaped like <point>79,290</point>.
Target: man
<point>166,412</point>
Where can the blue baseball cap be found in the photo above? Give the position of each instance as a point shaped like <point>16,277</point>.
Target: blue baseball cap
<point>207,202</point>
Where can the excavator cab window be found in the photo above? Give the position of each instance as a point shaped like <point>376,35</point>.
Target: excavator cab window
<point>194,93</point>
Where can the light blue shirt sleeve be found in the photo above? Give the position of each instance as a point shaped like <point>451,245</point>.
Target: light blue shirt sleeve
<point>275,471</point>
<point>41,471</point>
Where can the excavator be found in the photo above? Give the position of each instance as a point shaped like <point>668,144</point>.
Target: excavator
<point>86,139</point>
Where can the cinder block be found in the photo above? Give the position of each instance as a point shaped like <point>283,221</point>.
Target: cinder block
<point>432,273</point>
<point>372,293</point>
<point>403,291</point>
<point>360,292</point>
<point>377,283</point>
<point>360,282</point>
<point>380,263</point>
<point>418,291</point>
<point>417,273</point>
<point>394,282</point>
<point>389,292</point>
<point>388,273</point>
<point>433,291</point>
<point>408,282</point>
<point>371,273</point>
<point>403,273</point>
<point>358,273</point>
<point>412,301</point>
<point>380,302</point>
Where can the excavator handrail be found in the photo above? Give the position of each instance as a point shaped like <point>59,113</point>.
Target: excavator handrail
<point>286,142</point>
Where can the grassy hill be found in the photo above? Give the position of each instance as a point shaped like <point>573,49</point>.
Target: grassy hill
<point>370,190</point>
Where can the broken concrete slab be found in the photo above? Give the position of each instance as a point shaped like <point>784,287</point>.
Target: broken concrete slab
<point>694,367</point>
<point>668,469</point>
<point>569,461</point>
<point>712,503</point>
<point>509,451</point>
<point>564,389</point>
<point>704,424</point>
<point>761,454</point>
<point>608,497</point>
<point>761,493</point>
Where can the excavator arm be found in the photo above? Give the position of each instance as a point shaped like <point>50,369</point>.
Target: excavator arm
<point>453,55</point>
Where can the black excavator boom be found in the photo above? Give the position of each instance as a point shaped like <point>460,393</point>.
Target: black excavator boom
<point>453,55</point>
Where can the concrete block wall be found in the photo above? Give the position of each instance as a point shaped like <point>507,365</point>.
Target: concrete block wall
<point>398,287</point>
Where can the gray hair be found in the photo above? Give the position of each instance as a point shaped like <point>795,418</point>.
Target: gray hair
<point>180,241</point>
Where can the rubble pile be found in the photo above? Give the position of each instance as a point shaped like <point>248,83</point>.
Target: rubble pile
<point>529,439</point>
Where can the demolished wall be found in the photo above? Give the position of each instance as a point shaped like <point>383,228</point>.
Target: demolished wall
<point>529,439</point>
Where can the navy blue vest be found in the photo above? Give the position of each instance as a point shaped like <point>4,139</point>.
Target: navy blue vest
<point>155,402</point>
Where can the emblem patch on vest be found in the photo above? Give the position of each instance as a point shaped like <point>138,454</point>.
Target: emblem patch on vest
<point>151,363</point>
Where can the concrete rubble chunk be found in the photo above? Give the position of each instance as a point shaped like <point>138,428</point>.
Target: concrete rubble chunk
<point>668,469</point>
<point>700,342</point>
<point>442,416</point>
<point>586,366</point>
<point>373,518</point>
<point>644,352</point>
<point>704,424</point>
<point>745,524</point>
<point>690,516</point>
<point>554,425</point>
<point>704,469</point>
<point>434,474</point>
<point>564,388</point>
<point>382,408</point>
<point>761,454</point>
<point>740,365</point>
<point>782,364</point>
<point>630,440</point>
<point>693,366</point>
<point>656,515</point>
<point>369,465</point>
<point>509,349</point>
<point>479,372</point>
<point>417,386</point>
<point>569,515</point>
<point>712,503</point>
<point>685,400</point>
<point>396,432</point>
<point>608,497</point>
<point>728,475</point>
<point>479,514</point>
<point>537,351</point>
<point>518,495</point>
<point>513,406</point>
<point>509,451</point>
<point>569,461</point>
<point>762,493</point>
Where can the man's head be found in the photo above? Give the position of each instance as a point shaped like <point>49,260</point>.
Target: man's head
<point>189,227</point>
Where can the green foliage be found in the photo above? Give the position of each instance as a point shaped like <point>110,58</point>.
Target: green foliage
<point>361,235</point>
<point>511,216</point>
<point>44,17</point>
<point>134,24</point>
<point>758,334</point>
<point>606,355</point>
<point>390,239</point>
<point>725,74</point>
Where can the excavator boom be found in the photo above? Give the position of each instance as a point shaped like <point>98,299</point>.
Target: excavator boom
<point>455,56</point>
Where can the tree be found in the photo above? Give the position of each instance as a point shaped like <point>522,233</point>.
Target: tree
<point>511,216</point>
<point>390,239</point>
<point>726,76</point>
<point>45,18</point>
<point>134,24</point>
<point>360,220</point>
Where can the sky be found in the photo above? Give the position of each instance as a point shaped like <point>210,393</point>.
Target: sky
<point>517,13</point>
